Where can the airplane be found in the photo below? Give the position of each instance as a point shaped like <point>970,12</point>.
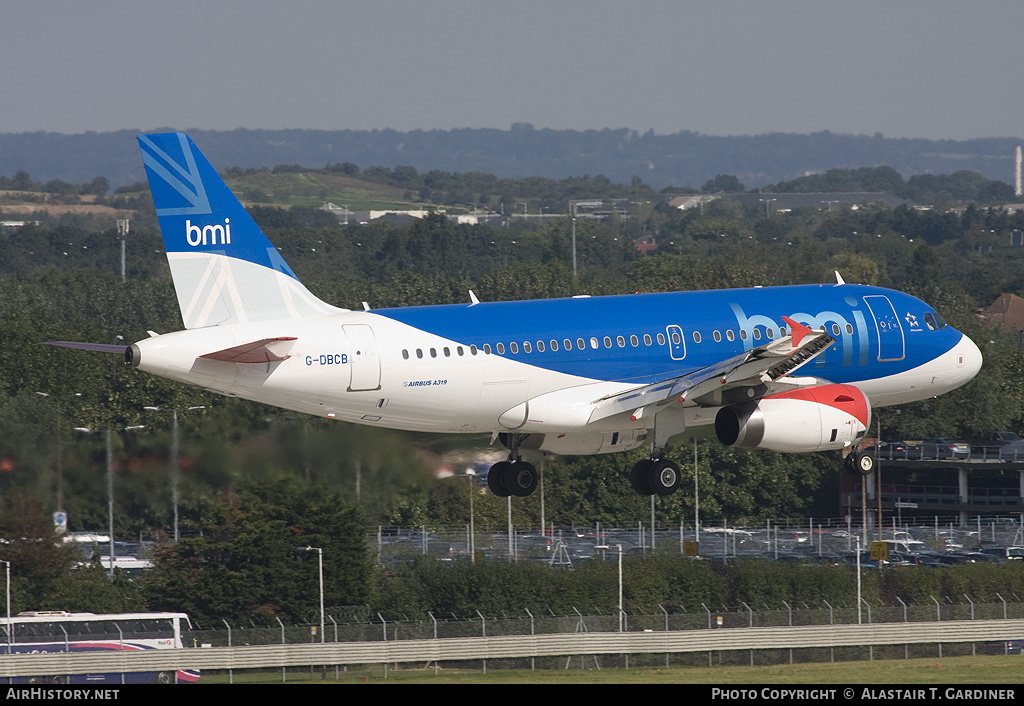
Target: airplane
<point>789,369</point>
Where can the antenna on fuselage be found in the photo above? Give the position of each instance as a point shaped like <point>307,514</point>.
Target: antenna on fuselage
<point>472,298</point>
<point>839,278</point>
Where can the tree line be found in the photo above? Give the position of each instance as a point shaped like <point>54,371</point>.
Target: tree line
<point>60,279</point>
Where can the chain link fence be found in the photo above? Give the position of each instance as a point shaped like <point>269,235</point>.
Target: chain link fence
<point>376,629</point>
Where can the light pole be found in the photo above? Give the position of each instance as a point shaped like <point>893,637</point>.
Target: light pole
<point>8,567</point>
<point>572,209</point>
<point>62,522</point>
<point>175,467</point>
<point>620,588</point>
<point>320,561</point>
<point>110,485</point>
<point>473,485</point>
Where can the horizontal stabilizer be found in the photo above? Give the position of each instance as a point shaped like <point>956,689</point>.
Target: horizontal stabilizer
<point>265,350</point>
<point>118,348</point>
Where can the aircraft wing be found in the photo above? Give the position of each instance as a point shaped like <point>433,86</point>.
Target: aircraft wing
<point>711,386</point>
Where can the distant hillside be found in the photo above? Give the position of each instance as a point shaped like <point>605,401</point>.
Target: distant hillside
<point>684,159</point>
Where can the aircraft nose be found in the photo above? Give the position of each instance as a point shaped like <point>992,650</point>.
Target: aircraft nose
<point>968,359</point>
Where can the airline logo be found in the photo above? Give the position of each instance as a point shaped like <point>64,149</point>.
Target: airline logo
<point>208,235</point>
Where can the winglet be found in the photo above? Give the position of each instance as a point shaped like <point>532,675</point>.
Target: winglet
<point>839,278</point>
<point>472,298</point>
<point>798,331</point>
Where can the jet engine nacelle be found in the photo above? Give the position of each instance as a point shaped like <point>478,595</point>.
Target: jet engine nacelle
<point>809,419</point>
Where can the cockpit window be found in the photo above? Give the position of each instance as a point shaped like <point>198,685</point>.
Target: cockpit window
<point>934,321</point>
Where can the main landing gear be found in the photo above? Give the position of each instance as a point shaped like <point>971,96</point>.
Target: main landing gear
<point>656,476</point>
<point>514,477</point>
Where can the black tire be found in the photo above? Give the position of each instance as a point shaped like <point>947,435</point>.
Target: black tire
<point>520,478</point>
<point>495,479</point>
<point>638,477</point>
<point>860,463</point>
<point>663,477</point>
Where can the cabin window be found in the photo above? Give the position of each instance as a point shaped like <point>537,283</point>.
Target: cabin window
<point>554,345</point>
<point>459,350</point>
<point>487,349</point>
<point>647,339</point>
<point>849,328</point>
<point>472,349</point>
<point>607,341</point>
<point>696,337</point>
<point>568,344</point>
<point>661,339</point>
<point>621,341</point>
<point>540,346</point>
<point>770,333</point>
<point>717,336</point>
<point>675,338</point>
<point>757,334</point>
<point>433,352</point>
<point>447,352</point>
<point>633,341</point>
<point>419,352</point>
<point>581,344</point>
<point>729,335</point>
<point>593,342</point>
<point>500,348</point>
<point>526,347</point>
<point>743,334</point>
<point>405,354</point>
<point>835,329</point>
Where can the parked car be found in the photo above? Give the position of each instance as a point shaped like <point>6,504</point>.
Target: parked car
<point>896,450</point>
<point>942,448</point>
<point>1005,647</point>
<point>1013,451</point>
<point>1006,553</point>
<point>991,443</point>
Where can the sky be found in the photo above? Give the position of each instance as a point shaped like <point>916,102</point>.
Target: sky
<point>904,68</point>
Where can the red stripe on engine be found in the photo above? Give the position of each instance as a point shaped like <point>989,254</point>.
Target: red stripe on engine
<point>846,398</point>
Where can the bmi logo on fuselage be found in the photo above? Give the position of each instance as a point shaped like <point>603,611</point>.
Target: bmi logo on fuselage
<point>208,235</point>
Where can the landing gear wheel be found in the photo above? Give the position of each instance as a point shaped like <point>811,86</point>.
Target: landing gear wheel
<point>638,477</point>
<point>519,478</point>
<point>495,479</point>
<point>663,477</point>
<point>861,463</point>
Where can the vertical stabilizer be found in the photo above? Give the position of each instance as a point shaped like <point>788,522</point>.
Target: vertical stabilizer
<point>225,270</point>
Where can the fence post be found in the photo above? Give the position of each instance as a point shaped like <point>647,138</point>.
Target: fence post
<point>938,617</point>
<point>231,672</point>
<point>284,676</point>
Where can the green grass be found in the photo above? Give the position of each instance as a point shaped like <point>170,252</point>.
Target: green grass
<point>953,670</point>
<point>316,188</point>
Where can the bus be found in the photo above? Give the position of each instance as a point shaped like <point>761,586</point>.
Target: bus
<point>42,632</point>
